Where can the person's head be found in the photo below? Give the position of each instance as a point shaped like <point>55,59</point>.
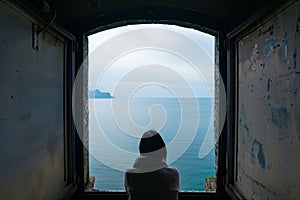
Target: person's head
<point>152,144</point>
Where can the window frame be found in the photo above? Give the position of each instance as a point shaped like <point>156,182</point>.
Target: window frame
<point>219,62</point>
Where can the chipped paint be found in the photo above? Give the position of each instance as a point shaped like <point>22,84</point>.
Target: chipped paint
<point>269,44</point>
<point>295,58</point>
<point>268,143</point>
<point>286,47</point>
<point>297,27</point>
<point>266,30</point>
<point>280,117</point>
<point>257,154</point>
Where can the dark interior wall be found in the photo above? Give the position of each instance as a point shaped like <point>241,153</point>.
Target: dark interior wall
<point>32,109</point>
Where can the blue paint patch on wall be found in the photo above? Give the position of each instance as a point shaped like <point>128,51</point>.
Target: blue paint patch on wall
<point>297,27</point>
<point>280,117</point>
<point>257,154</point>
<point>269,44</point>
<point>295,58</point>
<point>246,128</point>
<point>256,182</point>
<point>286,47</point>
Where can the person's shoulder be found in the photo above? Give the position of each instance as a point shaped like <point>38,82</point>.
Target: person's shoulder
<point>172,170</point>
<point>129,170</point>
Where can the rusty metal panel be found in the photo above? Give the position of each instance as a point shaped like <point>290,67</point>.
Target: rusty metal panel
<point>31,117</point>
<point>268,132</point>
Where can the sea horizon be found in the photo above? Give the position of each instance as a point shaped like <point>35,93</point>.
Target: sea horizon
<point>193,169</point>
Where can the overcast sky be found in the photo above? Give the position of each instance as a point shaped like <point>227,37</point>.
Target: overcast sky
<point>152,60</point>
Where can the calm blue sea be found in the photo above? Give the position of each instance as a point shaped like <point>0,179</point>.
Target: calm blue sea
<point>193,169</point>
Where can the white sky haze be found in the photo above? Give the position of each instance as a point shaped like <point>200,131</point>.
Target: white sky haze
<point>184,60</point>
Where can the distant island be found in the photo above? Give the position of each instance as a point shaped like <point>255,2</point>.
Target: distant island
<point>97,94</point>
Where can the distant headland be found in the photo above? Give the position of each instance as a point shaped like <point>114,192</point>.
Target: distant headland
<point>97,94</point>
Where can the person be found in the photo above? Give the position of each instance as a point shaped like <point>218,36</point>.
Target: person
<point>150,177</point>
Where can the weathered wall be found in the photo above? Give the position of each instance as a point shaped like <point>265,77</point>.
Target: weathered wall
<point>31,117</point>
<point>268,148</point>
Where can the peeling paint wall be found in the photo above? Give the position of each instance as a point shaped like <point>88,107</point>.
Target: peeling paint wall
<point>31,117</point>
<point>268,132</point>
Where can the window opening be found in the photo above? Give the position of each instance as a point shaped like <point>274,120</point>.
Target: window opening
<point>152,76</point>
